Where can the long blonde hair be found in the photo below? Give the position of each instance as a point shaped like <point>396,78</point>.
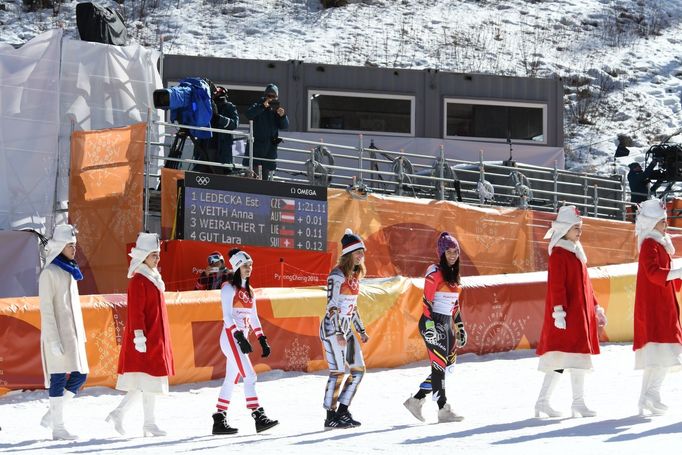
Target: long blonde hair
<point>347,267</point>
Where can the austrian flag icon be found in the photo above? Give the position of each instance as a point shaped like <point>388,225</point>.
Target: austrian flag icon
<point>287,217</point>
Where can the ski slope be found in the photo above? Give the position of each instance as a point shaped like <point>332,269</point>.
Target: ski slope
<point>495,393</point>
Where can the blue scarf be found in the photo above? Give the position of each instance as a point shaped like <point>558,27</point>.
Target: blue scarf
<point>70,266</point>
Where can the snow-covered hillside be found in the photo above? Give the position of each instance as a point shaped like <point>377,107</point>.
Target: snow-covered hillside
<point>620,59</point>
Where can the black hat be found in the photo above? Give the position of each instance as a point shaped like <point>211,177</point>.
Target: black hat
<point>634,165</point>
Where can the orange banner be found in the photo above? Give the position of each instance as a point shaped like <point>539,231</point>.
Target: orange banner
<point>169,199</point>
<point>182,261</point>
<point>400,235</point>
<point>105,202</point>
<point>501,313</point>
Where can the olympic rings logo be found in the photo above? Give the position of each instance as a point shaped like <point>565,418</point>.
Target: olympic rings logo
<point>202,180</point>
<point>244,296</point>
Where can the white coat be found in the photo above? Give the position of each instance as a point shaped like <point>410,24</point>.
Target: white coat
<point>61,321</point>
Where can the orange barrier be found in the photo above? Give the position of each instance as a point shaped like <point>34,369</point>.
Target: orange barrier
<point>183,260</point>
<point>105,202</point>
<point>401,233</point>
<point>501,313</point>
<point>169,199</point>
<point>675,212</point>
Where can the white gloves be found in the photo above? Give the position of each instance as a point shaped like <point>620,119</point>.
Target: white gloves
<point>675,274</point>
<point>56,348</point>
<point>601,316</point>
<point>140,341</point>
<point>559,316</point>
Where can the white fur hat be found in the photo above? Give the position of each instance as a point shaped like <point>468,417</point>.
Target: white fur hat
<point>62,236</point>
<point>238,259</point>
<point>650,212</point>
<point>145,244</point>
<point>567,217</point>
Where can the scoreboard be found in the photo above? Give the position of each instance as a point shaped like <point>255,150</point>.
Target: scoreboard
<point>243,211</point>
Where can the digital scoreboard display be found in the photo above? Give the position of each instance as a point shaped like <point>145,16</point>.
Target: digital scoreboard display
<point>243,211</point>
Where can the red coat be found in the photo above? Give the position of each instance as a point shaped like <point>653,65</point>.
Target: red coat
<point>568,285</point>
<point>146,312</point>
<point>657,313</point>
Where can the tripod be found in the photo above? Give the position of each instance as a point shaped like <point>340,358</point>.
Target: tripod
<point>179,144</point>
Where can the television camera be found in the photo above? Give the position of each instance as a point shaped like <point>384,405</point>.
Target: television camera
<point>669,168</point>
<point>190,103</point>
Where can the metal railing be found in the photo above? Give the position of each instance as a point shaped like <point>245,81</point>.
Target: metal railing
<point>362,170</point>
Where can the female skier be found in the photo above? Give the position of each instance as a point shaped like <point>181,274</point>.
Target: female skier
<point>240,317</point>
<point>441,326</point>
<point>341,346</point>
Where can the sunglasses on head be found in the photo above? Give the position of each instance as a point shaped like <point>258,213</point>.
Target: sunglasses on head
<point>214,258</point>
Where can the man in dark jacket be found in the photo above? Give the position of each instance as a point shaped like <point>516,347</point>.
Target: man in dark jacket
<point>219,147</point>
<point>639,181</point>
<point>268,118</point>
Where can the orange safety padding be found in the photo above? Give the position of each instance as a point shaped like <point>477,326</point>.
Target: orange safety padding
<point>169,199</point>
<point>400,235</point>
<point>183,260</point>
<point>675,212</point>
<point>105,202</point>
<point>501,313</point>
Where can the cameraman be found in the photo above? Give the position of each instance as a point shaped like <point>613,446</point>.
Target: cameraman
<point>639,181</point>
<point>268,118</point>
<point>215,275</point>
<point>219,146</point>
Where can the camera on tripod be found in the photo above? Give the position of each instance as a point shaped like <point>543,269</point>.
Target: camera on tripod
<point>190,103</point>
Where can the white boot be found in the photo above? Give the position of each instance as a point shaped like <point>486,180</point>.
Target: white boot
<point>657,377</point>
<point>414,405</point>
<point>46,421</point>
<point>542,406</point>
<point>650,397</point>
<point>578,407</point>
<point>116,416</point>
<point>148,404</point>
<point>446,414</point>
<point>57,415</point>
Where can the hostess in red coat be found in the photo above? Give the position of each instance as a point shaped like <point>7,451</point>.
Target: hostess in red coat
<point>146,312</point>
<point>568,285</point>
<point>657,313</point>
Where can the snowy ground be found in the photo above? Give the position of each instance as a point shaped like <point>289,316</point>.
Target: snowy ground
<point>495,393</point>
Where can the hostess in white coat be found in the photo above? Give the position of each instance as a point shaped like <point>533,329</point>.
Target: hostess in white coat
<point>62,334</point>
